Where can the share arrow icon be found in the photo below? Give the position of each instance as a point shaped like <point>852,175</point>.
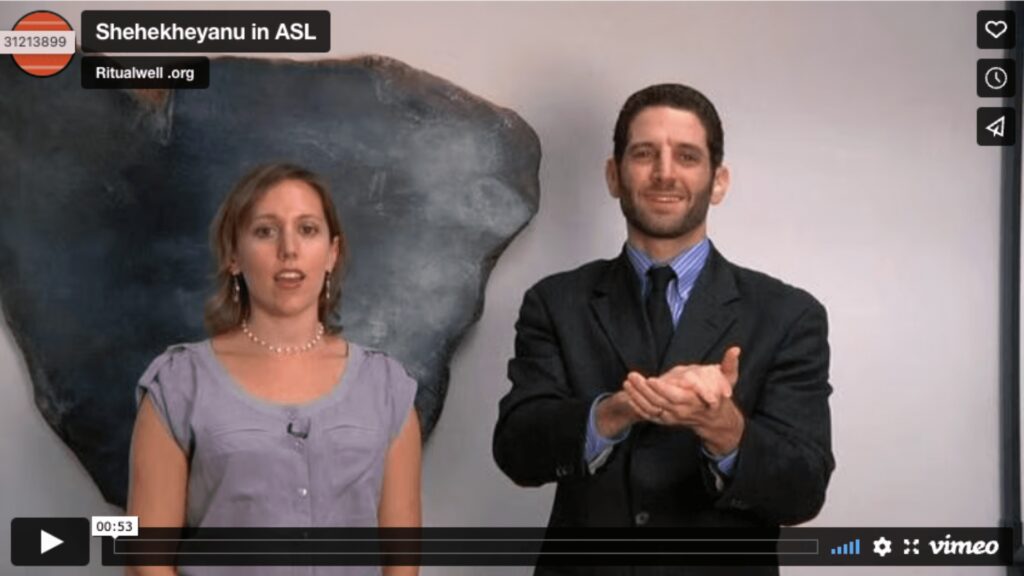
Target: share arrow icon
<point>998,127</point>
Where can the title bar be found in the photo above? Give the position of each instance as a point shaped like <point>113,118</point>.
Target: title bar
<point>113,31</point>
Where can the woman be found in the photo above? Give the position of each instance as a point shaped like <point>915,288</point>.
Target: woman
<point>276,420</point>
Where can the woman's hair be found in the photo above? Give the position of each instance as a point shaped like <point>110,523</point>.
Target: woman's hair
<point>223,314</point>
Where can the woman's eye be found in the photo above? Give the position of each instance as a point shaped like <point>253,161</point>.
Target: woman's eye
<point>263,232</point>
<point>309,229</point>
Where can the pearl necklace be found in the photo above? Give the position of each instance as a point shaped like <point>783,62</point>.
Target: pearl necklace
<point>285,349</point>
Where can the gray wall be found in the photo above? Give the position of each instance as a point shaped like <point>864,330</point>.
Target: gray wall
<point>850,132</point>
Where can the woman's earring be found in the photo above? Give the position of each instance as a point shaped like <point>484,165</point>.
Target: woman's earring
<point>238,290</point>
<point>327,287</point>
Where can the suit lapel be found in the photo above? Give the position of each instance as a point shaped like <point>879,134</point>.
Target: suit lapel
<point>616,303</point>
<point>709,314</point>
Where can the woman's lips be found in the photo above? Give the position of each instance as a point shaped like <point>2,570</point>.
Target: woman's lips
<point>289,278</point>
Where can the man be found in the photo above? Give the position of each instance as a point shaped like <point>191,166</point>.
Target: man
<point>669,387</point>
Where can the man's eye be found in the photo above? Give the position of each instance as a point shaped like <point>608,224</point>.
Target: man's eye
<point>642,154</point>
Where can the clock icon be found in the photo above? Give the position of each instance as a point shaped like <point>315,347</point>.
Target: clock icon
<point>996,78</point>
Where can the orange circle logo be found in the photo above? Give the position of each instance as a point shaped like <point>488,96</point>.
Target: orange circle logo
<point>43,65</point>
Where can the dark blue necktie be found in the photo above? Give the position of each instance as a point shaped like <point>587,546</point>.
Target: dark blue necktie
<point>658,312</point>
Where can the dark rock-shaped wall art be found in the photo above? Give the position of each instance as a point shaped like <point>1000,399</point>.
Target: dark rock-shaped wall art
<point>106,197</point>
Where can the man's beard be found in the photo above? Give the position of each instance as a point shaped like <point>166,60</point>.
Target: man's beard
<point>654,227</point>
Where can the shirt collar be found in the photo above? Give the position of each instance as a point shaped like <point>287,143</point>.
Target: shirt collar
<point>687,265</point>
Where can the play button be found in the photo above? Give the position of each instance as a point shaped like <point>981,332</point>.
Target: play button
<point>50,541</point>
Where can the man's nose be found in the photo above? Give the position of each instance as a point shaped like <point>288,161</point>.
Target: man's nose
<point>663,167</point>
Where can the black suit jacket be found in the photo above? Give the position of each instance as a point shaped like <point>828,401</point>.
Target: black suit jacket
<point>580,332</point>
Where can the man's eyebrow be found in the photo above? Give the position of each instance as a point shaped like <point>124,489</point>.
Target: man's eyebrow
<point>689,146</point>
<point>641,144</point>
<point>685,145</point>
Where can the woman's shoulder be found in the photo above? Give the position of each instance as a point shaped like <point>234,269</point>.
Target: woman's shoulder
<point>183,350</point>
<point>171,384</point>
<point>376,362</point>
<point>176,361</point>
<point>394,385</point>
<point>384,372</point>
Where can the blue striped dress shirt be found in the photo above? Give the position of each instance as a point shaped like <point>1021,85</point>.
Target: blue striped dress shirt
<point>687,266</point>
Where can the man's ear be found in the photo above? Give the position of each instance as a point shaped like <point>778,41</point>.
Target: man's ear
<point>611,177</point>
<point>720,185</point>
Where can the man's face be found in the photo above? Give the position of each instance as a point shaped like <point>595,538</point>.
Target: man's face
<point>665,183</point>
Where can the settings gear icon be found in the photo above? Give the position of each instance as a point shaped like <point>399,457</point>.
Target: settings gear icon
<point>883,546</point>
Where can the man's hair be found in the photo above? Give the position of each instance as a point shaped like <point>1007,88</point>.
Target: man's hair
<point>674,96</point>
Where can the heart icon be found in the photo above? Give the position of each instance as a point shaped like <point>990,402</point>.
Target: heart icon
<point>992,25</point>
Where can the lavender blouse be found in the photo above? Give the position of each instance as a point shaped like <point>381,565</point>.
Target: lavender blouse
<point>256,463</point>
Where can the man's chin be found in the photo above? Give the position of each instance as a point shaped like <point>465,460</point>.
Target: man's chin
<point>664,232</point>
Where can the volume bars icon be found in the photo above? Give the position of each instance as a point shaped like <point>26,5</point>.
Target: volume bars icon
<point>851,548</point>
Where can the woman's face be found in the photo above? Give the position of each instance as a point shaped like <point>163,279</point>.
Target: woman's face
<point>285,250</point>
